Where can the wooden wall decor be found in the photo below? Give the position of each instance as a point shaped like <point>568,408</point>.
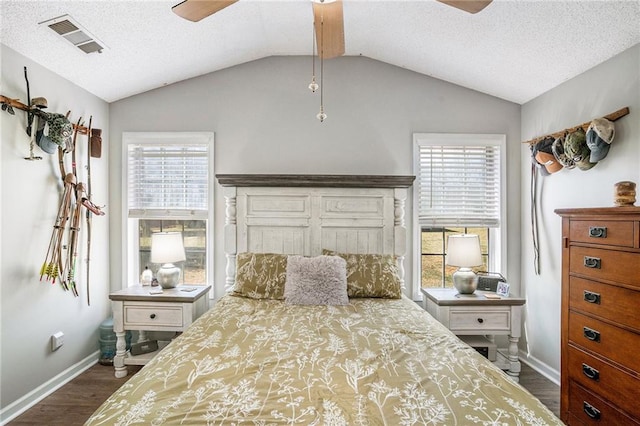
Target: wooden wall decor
<point>15,103</point>
<point>584,126</point>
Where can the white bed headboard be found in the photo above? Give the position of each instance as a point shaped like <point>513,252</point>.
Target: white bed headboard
<point>304,214</point>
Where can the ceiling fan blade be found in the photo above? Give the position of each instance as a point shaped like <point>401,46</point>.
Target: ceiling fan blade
<point>471,6</point>
<point>195,10</point>
<point>329,25</point>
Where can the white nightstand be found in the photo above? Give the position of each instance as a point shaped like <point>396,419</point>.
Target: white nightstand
<point>134,308</point>
<point>475,314</point>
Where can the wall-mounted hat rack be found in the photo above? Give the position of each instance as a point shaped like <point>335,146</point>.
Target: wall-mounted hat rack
<point>584,126</point>
<point>15,103</point>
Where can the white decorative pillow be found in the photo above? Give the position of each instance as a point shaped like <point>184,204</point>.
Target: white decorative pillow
<point>318,280</point>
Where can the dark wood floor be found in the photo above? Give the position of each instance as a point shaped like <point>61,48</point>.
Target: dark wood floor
<point>541,387</point>
<point>73,403</point>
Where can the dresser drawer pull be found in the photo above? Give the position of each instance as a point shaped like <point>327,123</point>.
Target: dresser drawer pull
<point>152,316</point>
<point>590,410</point>
<point>592,297</point>
<point>591,334</point>
<point>592,262</point>
<point>480,320</point>
<point>597,232</point>
<point>590,372</point>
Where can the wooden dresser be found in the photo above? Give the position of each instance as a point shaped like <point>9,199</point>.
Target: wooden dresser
<point>600,343</point>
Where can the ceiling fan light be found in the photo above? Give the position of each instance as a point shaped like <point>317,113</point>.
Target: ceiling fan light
<point>313,86</point>
<point>321,115</point>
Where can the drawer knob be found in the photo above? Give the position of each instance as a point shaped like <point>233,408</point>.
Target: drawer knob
<point>590,372</point>
<point>597,232</point>
<point>152,316</point>
<point>480,320</point>
<point>591,297</point>
<point>590,410</point>
<point>592,262</point>
<point>591,334</point>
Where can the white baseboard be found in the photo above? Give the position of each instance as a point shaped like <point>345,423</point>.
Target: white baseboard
<point>21,405</point>
<point>540,367</point>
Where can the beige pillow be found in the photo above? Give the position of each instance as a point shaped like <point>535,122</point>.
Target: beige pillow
<point>260,275</point>
<point>371,275</point>
<point>320,280</point>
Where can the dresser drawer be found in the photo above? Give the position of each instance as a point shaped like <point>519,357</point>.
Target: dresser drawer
<point>609,232</point>
<point>151,315</point>
<point>485,319</point>
<point>611,342</point>
<point>604,380</point>
<point>606,301</point>
<point>592,410</point>
<point>617,266</point>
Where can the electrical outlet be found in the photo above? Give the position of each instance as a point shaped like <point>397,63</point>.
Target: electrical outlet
<point>57,340</point>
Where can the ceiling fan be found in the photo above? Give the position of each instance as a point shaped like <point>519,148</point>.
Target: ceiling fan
<point>326,14</point>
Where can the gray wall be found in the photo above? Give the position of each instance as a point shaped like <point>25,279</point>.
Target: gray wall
<point>606,88</point>
<point>32,310</point>
<point>263,116</point>
<point>264,119</point>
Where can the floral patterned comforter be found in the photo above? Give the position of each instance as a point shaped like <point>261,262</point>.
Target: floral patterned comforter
<point>373,362</point>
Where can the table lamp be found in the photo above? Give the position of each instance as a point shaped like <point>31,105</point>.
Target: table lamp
<point>166,248</point>
<point>464,252</point>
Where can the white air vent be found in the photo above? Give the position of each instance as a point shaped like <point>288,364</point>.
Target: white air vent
<point>73,32</point>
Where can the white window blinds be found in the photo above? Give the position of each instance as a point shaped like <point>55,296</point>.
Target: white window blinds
<point>168,179</point>
<point>459,184</point>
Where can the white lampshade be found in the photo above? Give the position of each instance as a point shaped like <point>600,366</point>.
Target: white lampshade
<point>463,251</point>
<point>167,247</point>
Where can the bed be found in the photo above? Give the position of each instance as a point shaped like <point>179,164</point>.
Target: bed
<point>293,342</point>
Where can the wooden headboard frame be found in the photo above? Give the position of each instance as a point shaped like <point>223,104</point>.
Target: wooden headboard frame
<point>304,214</point>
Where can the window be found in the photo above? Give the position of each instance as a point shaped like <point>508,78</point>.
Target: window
<point>167,188</point>
<point>433,249</point>
<point>459,190</point>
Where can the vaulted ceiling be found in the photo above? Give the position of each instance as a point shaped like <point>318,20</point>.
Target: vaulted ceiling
<point>515,50</point>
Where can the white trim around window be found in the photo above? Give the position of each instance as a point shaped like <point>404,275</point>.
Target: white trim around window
<point>129,236</point>
<point>498,247</point>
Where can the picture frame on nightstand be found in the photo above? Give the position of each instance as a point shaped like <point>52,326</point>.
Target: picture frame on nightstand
<point>502,289</point>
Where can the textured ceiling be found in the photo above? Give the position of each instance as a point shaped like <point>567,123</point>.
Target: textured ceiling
<point>515,50</point>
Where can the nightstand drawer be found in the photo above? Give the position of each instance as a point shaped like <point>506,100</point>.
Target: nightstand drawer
<point>134,308</point>
<point>481,319</point>
<point>476,314</point>
<point>152,316</point>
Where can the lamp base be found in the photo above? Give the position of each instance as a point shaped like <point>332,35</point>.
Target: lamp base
<point>168,275</point>
<point>465,281</point>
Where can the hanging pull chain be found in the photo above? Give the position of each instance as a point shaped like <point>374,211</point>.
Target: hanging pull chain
<point>321,115</point>
<point>313,86</point>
